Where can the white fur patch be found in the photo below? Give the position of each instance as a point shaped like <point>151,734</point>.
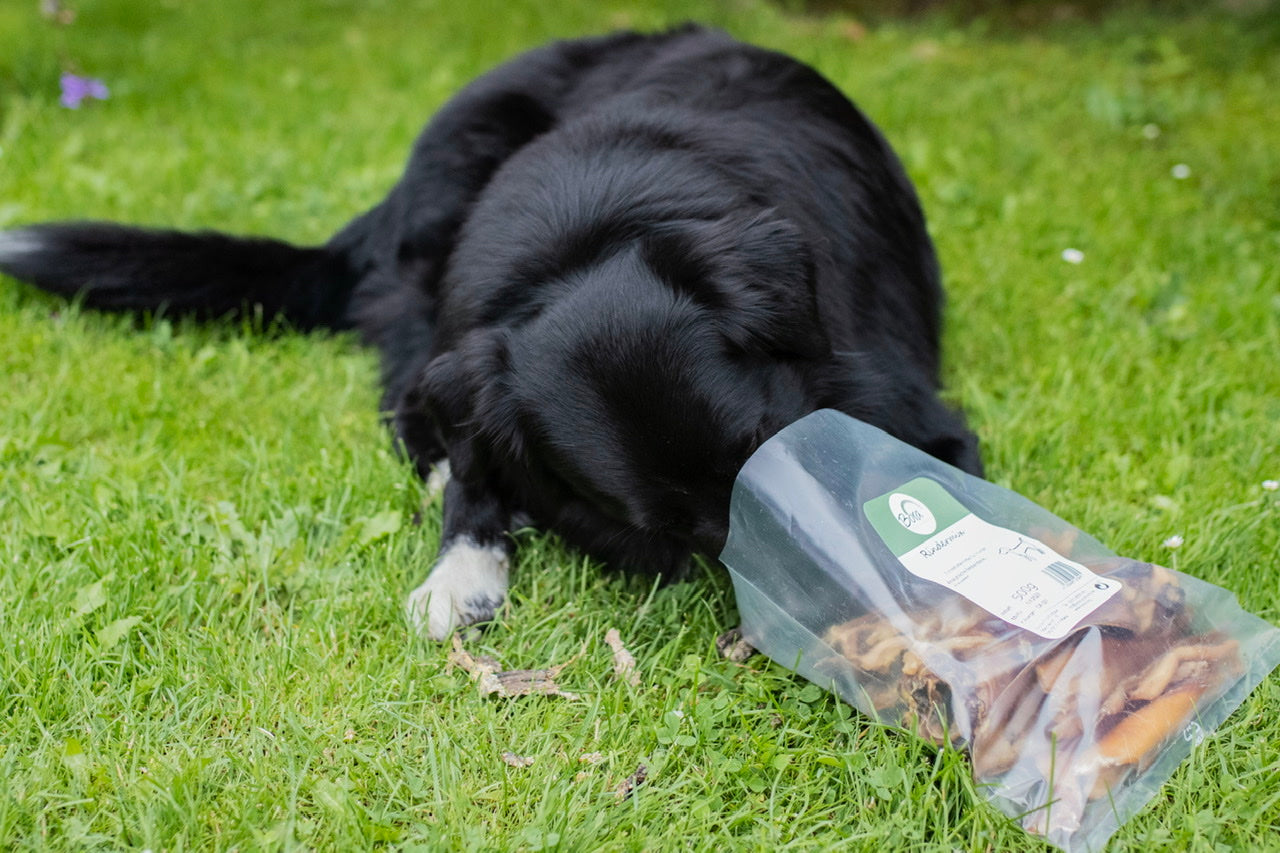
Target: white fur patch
<point>468,583</point>
<point>438,479</point>
<point>14,244</point>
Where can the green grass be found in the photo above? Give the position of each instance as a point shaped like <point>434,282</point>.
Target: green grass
<point>205,541</point>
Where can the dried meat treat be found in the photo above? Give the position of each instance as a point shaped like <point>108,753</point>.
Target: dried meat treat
<point>1088,709</point>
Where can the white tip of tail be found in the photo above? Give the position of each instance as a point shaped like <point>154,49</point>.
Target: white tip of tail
<point>15,244</point>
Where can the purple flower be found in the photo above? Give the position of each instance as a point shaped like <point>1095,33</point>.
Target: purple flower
<point>76,88</point>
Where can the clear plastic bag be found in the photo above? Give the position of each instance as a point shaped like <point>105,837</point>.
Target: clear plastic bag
<point>930,599</point>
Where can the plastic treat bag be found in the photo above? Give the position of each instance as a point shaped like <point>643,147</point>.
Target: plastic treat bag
<point>930,599</point>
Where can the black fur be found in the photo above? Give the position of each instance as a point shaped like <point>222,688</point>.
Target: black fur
<point>612,268</point>
<point>206,274</point>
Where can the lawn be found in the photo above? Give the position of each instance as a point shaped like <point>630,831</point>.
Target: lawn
<point>205,538</point>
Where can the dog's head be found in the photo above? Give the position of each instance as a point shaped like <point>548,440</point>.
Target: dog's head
<point>621,410</point>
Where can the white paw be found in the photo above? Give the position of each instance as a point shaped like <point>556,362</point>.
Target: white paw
<point>437,479</point>
<point>468,584</point>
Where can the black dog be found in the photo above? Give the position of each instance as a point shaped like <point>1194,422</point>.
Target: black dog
<point>612,268</point>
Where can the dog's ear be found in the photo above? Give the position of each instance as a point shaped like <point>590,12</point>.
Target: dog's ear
<point>463,392</point>
<point>755,273</point>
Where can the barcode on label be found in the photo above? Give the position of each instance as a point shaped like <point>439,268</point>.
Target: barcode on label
<point>1063,573</point>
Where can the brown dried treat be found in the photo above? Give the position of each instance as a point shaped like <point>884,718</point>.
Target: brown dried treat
<point>1146,728</point>
<point>858,635</point>
<point>1016,717</point>
<point>1209,660</point>
<point>1049,668</point>
<point>1089,708</point>
<point>959,647</point>
<point>1151,603</point>
<point>882,655</point>
<point>995,757</point>
<point>927,702</point>
<point>912,664</point>
<point>951,617</point>
<point>1183,662</point>
<point>1117,697</point>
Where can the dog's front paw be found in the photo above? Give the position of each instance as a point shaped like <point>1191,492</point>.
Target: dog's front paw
<point>467,585</point>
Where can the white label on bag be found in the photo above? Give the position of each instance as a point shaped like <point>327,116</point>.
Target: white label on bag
<point>1009,574</point>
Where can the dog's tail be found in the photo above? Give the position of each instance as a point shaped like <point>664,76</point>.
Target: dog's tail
<point>205,274</point>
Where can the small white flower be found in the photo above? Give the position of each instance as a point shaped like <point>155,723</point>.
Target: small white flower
<point>679,713</point>
<point>1072,256</point>
<point>1271,485</point>
<point>1180,172</point>
<point>1151,131</point>
<point>1174,541</point>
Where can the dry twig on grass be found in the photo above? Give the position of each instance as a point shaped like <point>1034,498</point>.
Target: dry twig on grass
<point>508,683</point>
<point>624,663</point>
<point>629,784</point>
<point>513,760</point>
